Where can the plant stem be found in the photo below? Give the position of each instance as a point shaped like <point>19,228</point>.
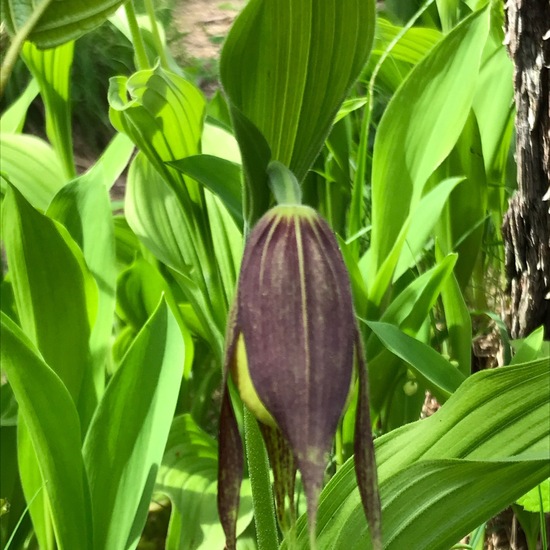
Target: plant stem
<point>543,536</point>
<point>139,47</point>
<point>156,34</point>
<point>262,496</point>
<point>17,43</point>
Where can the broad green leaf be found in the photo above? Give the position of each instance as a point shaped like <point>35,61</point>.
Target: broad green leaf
<point>31,165</point>
<point>493,103</point>
<point>297,60</point>
<point>55,435</point>
<point>439,375</point>
<point>56,300</point>
<point>124,445</point>
<point>419,128</point>
<point>51,69</point>
<point>490,438</point>
<point>188,477</point>
<point>55,294</point>
<point>13,118</point>
<point>83,207</point>
<point>156,215</point>
<point>61,21</point>
<point>220,176</point>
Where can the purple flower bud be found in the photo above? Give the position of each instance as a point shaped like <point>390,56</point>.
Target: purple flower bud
<point>290,349</point>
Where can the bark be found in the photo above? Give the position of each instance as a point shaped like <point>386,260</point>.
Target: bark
<point>526,227</point>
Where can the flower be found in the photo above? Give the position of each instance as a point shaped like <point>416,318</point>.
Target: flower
<point>290,349</point>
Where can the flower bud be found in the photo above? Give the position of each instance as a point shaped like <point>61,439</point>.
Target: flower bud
<point>290,347</point>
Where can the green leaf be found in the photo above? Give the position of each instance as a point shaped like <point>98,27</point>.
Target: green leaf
<point>424,217</point>
<point>413,46</point>
<point>125,442</point>
<point>55,435</point>
<point>31,165</point>
<point>530,347</point>
<point>52,69</point>
<point>219,142</point>
<point>419,128</point>
<point>162,113</point>
<point>461,226</point>
<point>458,321</point>
<point>55,294</point>
<point>221,176</point>
<point>439,375</point>
<point>61,21</point>
<point>13,118</point>
<point>297,60</point>
<point>490,439</point>
<point>412,237</point>
<point>188,477</point>
<point>83,207</point>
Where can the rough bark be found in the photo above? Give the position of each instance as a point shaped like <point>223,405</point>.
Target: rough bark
<point>526,227</point>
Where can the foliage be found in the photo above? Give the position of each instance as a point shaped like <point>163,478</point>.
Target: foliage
<point>114,313</point>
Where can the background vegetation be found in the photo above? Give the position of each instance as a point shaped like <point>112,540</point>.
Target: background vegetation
<point>119,271</point>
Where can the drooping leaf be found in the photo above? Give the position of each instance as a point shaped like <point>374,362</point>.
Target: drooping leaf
<point>61,21</point>
<point>55,436</point>
<point>124,445</point>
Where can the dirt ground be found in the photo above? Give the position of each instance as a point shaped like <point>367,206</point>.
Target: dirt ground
<point>203,24</point>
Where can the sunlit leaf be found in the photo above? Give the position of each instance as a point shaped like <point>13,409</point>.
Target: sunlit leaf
<point>490,438</point>
<point>419,128</point>
<point>55,435</point>
<point>122,451</point>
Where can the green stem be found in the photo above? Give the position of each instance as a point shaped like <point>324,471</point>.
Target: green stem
<point>543,536</point>
<point>262,496</point>
<point>139,47</point>
<point>156,34</point>
<point>17,43</point>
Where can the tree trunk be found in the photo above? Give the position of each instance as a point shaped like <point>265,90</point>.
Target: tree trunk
<point>526,227</point>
